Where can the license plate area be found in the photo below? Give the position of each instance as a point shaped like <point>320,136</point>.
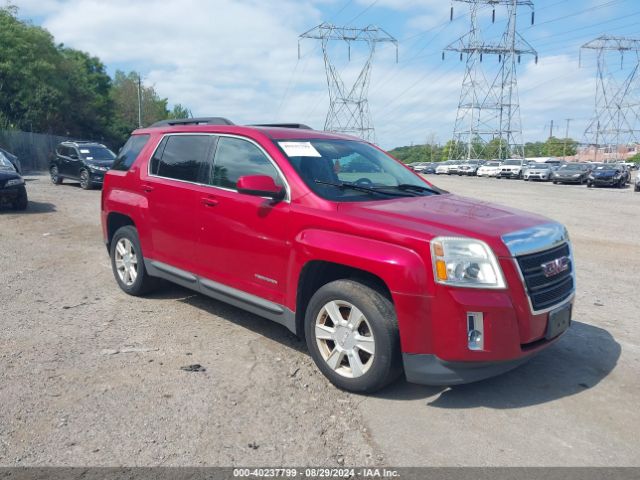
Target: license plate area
<point>559,321</point>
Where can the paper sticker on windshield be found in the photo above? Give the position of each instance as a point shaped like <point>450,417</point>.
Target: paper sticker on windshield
<point>85,151</point>
<point>89,158</point>
<point>299,149</point>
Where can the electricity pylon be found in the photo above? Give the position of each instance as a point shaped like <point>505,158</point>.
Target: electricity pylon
<point>489,107</point>
<point>617,105</point>
<point>348,106</point>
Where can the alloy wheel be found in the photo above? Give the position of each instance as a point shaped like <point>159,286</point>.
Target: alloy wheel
<point>126,261</point>
<point>84,179</point>
<point>345,339</point>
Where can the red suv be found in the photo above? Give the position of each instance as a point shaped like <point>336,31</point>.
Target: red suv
<point>379,270</point>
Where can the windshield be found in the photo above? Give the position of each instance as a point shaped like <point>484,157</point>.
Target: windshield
<point>540,166</point>
<point>492,164</point>
<point>96,153</point>
<point>324,165</point>
<point>5,164</point>
<point>572,167</point>
<point>513,162</point>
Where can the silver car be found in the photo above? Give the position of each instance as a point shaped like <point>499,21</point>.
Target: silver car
<point>540,171</point>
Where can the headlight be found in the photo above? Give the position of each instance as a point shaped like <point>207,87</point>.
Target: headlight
<point>14,182</point>
<point>96,167</point>
<point>465,262</point>
<point>576,175</point>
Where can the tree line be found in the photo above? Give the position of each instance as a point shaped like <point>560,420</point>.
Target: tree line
<point>49,88</point>
<point>553,147</point>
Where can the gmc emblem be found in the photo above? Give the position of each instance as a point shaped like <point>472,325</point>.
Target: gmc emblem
<point>555,267</point>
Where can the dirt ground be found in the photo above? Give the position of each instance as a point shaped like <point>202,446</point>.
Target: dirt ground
<point>92,377</point>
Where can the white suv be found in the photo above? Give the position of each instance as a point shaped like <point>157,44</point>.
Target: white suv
<point>511,168</point>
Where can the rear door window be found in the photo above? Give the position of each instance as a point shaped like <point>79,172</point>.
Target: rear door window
<point>130,152</point>
<point>184,157</point>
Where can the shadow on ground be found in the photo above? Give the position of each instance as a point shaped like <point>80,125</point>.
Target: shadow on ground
<point>583,357</point>
<point>34,207</point>
<point>259,325</point>
<point>578,361</point>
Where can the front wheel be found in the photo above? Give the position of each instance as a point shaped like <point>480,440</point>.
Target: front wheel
<point>352,335</point>
<point>85,180</point>
<point>127,263</point>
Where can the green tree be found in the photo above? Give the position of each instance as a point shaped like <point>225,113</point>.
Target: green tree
<point>558,147</point>
<point>125,97</point>
<point>180,111</point>
<point>534,149</point>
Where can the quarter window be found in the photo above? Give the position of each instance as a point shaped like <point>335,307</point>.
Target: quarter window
<point>183,157</point>
<point>236,158</point>
<point>130,152</point>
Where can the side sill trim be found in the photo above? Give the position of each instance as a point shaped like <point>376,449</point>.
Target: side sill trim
<point>243,300</point>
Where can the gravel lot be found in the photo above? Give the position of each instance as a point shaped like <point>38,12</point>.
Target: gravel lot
<point>91,377</point>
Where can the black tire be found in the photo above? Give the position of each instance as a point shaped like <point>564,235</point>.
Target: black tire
<point>589,184</point>
<point>555,183</point>
<point>85,180</point>
<point>636,188</point>
<point>22,201</point>
<point>143,283</point>
<point>386,365</point>
<point>56,179</point>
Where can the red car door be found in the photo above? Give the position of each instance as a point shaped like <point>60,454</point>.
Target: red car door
<point>244,240</point>
<point>174,190</point>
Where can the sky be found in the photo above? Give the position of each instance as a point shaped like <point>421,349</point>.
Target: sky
<point>239,58</point>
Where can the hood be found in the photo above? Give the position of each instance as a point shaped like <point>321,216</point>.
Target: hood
<point>447,214</point>
<point>100,163</point>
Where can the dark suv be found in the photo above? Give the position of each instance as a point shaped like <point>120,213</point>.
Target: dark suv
<point>86,162</point>
<point>12,187</point>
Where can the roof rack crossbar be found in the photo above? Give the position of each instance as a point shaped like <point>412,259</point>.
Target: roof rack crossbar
<point>193,121</point>
<point>283,125</point>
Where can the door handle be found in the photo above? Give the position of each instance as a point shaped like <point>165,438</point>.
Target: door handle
<point>148,188</point>
<point>209,201</point>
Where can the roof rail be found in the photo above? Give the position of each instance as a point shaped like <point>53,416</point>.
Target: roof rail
<point>283,125</point>
<point>193,121</point>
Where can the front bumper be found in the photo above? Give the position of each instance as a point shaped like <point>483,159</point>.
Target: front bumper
<point>508,174</point>
<point>568,179</point>
<point>9,194</point>
<point>538,176</point>
<point>604,182</point>
<point>431,370</point>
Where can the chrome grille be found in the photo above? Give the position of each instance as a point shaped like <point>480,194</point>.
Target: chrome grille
<point>545,292</point>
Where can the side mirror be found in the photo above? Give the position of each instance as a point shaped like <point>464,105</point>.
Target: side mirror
<point>260,186</point>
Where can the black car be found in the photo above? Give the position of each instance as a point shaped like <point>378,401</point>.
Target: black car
<point>86,162</point>
<point>13,159</point>
<point>12,187</point>
<point>571,173</point>
<point>608,175</point>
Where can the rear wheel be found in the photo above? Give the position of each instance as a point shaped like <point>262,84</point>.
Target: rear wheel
<point>127,263</point>
<point>352,335</point>
<point>85,180</point>
<point>22,201</point>
<point>56,179</point>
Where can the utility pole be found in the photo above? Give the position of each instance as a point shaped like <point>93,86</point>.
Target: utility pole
<point>566,138</point>
<point>489,109</point>
<point>551,130</point>
<point>349,107</point>
<point>139,101</point>
<point>617,102</point>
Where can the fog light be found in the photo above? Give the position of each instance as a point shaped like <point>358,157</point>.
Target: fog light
<point>475,331</point>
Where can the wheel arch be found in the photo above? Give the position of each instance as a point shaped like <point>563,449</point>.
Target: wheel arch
<point>116,220</point>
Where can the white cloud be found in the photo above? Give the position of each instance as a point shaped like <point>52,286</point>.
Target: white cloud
<point>238,58</point>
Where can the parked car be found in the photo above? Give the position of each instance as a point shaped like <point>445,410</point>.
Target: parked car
<point>13,190</point>
<point>469,167</point>
<point>538,171</point>
<point>571,173</point>
<point>13,159</point>
<point>608,175</point>
<point>429,168</point>
<point>443,167</point>
<point>379,272</point>
<point>512,168</point>
<point>85,162</point>
<point>454,166</point>
<point>489,169</point>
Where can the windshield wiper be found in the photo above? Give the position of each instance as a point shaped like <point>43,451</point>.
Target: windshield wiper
<point>420,188</point>
<point>360,188</point>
